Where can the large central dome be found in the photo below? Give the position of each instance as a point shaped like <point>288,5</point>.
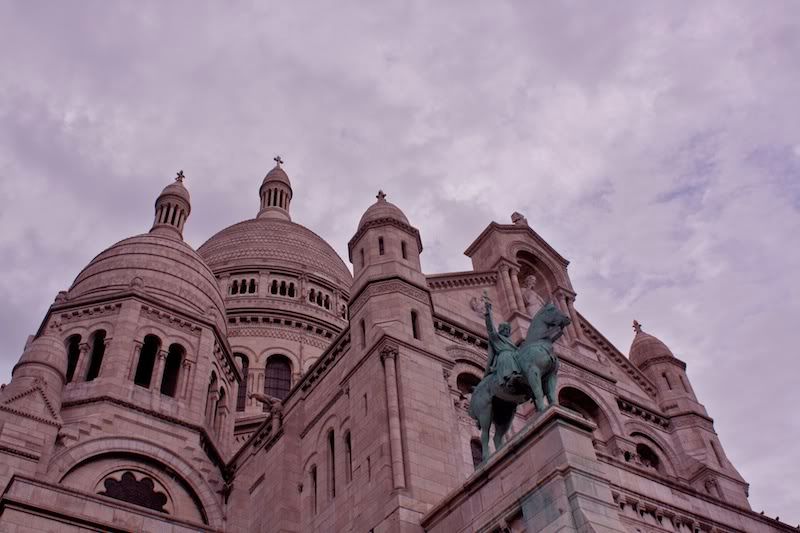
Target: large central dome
<point>272,241</point>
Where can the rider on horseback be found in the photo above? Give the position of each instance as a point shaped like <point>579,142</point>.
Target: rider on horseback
<point>501,359</point>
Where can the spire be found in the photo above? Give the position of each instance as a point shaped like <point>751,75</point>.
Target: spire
<point>637,327</point>
<point>275,193</point>
<point>173,206</point>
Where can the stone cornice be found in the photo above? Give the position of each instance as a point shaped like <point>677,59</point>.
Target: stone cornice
<point>459,332</point>
<point>648,415</point>
<point>387,221</point>
<point>460,280</point>
<point>388,284</point>
<point>514,228</point>
<point>669,359</point>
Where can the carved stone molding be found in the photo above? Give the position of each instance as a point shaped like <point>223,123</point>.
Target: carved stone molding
<point>278,333</point>
<point>462,280</point>
<point>86,312</point>
<point>158,315</point>
<point>390,286</point>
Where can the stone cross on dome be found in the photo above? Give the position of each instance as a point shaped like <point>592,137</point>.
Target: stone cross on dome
<point>278,160</point>
<point>180,176</point>
<point>381,196</point>
<point>637,327</point>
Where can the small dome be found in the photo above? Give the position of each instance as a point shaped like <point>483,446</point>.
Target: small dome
<point>163,267</point>
<point>176,188</point>
<point>277,174</point>
<point>646,347</point>
<point>382,209</point>
<point>45,350</point>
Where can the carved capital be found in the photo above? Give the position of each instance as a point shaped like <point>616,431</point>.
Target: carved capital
<point>389,351</point>
<point>84,347</point>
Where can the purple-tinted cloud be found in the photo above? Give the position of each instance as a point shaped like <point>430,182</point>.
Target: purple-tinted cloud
<point>655,145</point>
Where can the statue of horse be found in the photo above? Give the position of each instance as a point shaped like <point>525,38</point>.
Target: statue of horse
<point>495,400</point>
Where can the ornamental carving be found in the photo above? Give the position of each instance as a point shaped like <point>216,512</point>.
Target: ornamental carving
<point>305,338</point>
<point>158,315</point>
<point>142,492</point>
<point>89,312</point>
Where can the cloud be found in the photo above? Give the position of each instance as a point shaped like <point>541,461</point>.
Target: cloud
<point>653,145</point>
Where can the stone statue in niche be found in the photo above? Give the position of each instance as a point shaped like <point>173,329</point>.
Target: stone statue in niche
<point>514,374</point>
<point>533,302</point>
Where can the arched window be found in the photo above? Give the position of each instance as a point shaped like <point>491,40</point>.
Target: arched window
<point>311,295</point>
<point>235,287</point>
<point>291,290</point>
<point>362,258</point>
<point>319,299</point>
<point>252,288</point>
<point>313,476</point>
<point>277,377</point>
<point>381,249</point>
<point>666,379</point>
<point>348,457</point>
<point>219,414</point>
<point>73,354</point>
<point>147,360</point>
<point>172,369</point>
<point>283,288</point>
<point>98,349</point>
<point>647,456</point>
<point>414,327</point>
<point>476,449</point>
<point>403,249</point>
<point>241,396</point>
<point>363,335</point>
<point>327,302</point>
<point>466,382</point>
<point>580,402</point>
<point>274,288</point>
<point>331,465</point>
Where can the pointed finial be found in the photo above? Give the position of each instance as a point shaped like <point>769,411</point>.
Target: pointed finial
<point>180,176</point>
<point>381,196</point>
<point>637,327</point>
<point>278,160</point>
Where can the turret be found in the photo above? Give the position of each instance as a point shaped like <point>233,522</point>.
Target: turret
<point>692,428</point>
<point>173,206</point>
<point>43,364</point>
<point>275,193</point>
<point>386,249</point>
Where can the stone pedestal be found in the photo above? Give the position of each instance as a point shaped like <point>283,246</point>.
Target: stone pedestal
<point>545,479</point>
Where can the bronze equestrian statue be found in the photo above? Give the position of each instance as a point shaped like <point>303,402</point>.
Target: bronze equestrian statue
<point>514,374</point>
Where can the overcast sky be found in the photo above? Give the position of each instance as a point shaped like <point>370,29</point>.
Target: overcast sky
<point>654,145</point>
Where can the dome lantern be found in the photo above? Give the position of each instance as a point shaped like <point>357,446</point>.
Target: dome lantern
<point>172,208</point>
<point>275,193</point>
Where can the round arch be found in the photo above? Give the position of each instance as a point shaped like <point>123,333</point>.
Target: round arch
<point>566,380</point>
<point>557,272</point>
<point>639,432</point>
<point>70,458</point>
<point>576,399</point>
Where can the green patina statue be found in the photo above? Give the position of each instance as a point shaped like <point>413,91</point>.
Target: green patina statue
<point>514,374</point>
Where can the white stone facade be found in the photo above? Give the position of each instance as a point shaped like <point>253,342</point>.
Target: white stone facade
<point>256,385</point>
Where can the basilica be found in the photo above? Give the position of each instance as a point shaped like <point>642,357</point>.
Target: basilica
<point>261,384</point>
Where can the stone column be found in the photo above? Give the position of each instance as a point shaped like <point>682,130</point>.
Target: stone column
<point>183,384</point>
<point>158,370</point>
<point>573,315</point>
<point>505,279</point>
<point>134,360</point>
<point>83,363</point>
<point>517,290</point>
<point>389,357</point>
